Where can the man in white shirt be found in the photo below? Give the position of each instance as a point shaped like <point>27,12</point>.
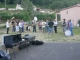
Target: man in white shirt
<point>35,18</point>
<point>7,26</point>
<point>20,26</point>
<point>55,26</point>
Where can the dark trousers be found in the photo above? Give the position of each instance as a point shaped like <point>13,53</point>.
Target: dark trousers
<point>7,30</point>
<point>34,28</point>
<point>13,29</point>
<point>55,29</point>
<point>20,29</point>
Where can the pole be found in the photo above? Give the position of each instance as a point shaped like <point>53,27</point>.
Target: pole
<point>5,4</point>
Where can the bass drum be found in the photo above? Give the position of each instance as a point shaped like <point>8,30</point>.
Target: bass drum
<point>68,33</point>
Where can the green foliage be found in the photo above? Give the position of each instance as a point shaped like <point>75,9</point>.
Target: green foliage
<point>27,5</point>
<point>55,4</point>
<point>46,16</point>
<point>5,16</point>
<point>23,15</point>
<point>52,4</point>
<point>20,15</point>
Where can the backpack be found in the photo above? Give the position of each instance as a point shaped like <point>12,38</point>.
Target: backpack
<point>4,56</point>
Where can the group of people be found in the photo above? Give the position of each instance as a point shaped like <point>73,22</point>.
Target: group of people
<point>44,26</point>
<point>47,26</point>
<point>68,26</point>
<point>17,26</point>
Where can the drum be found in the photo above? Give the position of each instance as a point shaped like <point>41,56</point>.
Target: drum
<point>68,33</point>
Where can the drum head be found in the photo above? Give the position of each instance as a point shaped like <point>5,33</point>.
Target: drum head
<point>68,33</point>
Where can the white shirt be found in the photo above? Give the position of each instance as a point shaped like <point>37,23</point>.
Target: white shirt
<point>55,23</point>
<point>43,24</point>
<point>35,18</point>
<point>20,24</point>
<point>7,25</point>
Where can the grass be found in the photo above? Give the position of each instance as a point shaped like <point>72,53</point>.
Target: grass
<point>60,37</point>
<point>56,37</point>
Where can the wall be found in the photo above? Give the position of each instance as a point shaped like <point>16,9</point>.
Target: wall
<point>71,13</point>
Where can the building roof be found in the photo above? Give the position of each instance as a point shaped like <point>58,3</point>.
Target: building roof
<point>78,5</point>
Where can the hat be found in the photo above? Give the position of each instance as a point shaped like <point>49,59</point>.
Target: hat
<point>12,17</point>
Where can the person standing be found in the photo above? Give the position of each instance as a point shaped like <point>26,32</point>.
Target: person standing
<point>55,26</point>
<point>22,26</point>
<point>29,25</point>
<point>7,26</point>
<point>17,26</point>
<point>40,26</point>
<point>43,26</point>
<point>13,26</point>
<point>70,27</point>
<point>47,26</point>
<point>50,27</point>
<point>64,25</point>
<point>34,26</point>
<point>35,18</point>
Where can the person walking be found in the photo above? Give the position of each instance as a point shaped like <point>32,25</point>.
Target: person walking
<point>55,26</point>
<point>7,26</point>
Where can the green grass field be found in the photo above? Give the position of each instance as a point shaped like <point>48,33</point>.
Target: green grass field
<point>56,37</point>
<point>60,36</point>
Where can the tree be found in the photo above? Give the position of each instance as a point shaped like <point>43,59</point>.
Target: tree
<point>28,6</point>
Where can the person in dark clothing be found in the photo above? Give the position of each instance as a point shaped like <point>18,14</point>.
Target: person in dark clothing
<point>50,26</point>
<point>34,26</point>
<point>64,25</point>
<point>13,26</point>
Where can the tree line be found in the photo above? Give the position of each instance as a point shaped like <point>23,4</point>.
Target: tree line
<point>51,4</point>
<point>11,1</point>
<point>55,4</point>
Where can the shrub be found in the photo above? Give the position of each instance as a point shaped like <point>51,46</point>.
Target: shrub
<point>5,15</point>
<point>46,16</point>
<point>20,15</point>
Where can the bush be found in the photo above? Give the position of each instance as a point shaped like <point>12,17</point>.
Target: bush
<point>5,16</point>
<point>20,15</point>
<point>24,16</point>
<point>46,16</point>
